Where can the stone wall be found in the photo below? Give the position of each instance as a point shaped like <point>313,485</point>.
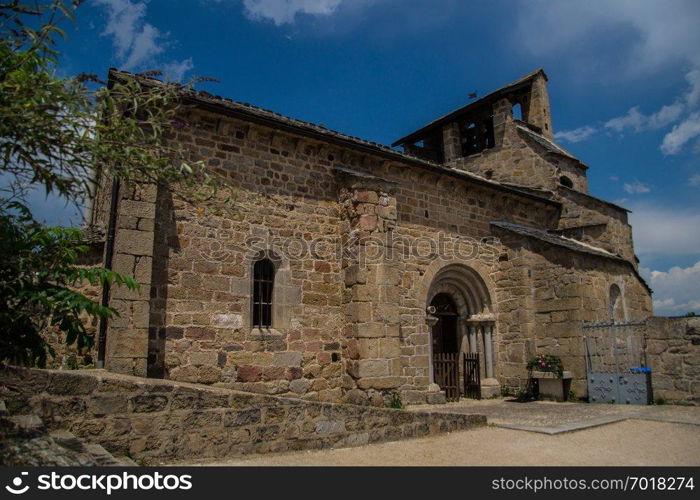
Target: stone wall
<point>345,327</point>
<point>127,335</point>
<point>156,421</point>
<point>201,324</point>
<point>545,293</point>
<point>673,353</point>
<point>289,196</point>
<point>68,356</point>
<point>444,222</point>
<point>595,221</point>
<point>518,159</point>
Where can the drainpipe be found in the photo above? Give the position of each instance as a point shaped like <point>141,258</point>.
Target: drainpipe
<point>109,252</point>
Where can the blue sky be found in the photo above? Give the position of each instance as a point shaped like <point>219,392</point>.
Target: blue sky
<point>624,84</point>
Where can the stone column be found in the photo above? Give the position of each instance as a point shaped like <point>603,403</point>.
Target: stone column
<point>488,351</point>
<point>473,347</point>
<point>463,332</point>
<point>452,146</point>
<point>431,321</point>
<point>371,279</point>
<point>502,116</point>
<point>536,110</point>
<point>127,335</point>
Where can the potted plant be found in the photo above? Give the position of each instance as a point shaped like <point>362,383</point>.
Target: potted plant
<point>552,381</point>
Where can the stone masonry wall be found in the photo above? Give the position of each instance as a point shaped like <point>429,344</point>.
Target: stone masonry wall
<point>518,160</point>
<point>288,194</point>
<point>593,221</point>
<point>156,421</point>
<point>127,335</point>
<point>286,197</point>
<point>334,330</point>
<point>443,221</point>
<point>551,292</point>
<point>673,353</point>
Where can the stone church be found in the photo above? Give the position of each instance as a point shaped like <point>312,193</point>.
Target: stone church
<point>351,271</point>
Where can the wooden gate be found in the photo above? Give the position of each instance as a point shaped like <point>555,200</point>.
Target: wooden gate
<point>472,378</point>
<point>446,373</point>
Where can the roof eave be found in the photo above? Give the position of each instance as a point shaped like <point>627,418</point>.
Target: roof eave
<point>338,139</point>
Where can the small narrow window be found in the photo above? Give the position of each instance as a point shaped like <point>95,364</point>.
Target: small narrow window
<point>615,305</point>
<point>517,112</point>
<point>566,182</point>
<point>263,281</point>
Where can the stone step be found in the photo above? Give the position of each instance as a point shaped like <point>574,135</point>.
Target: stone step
<point>96,453</point>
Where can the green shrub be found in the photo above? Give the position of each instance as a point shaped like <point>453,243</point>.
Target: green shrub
<point>395,401</point>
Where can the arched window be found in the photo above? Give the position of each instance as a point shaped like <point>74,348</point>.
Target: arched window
<point>517,111</point>
<point>263,281</point>
<point>616,308</point>
<point>566,182</point>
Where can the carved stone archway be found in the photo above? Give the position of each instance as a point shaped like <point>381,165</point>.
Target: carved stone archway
<point>472,299</point>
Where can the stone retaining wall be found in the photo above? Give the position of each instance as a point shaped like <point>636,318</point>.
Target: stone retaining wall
<point>156,421</point>
<point>673,352</point>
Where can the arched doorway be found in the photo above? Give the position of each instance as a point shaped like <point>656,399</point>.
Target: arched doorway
<point>444,332</point>
<point>461,323</point>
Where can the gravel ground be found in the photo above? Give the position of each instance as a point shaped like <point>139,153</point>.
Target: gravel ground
<point>550,414</point>
<point>631,442</point>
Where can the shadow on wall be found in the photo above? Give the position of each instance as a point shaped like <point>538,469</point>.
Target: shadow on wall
<point>165,239</point>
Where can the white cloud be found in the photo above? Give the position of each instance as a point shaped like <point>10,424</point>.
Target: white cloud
<point>135,40</point>
<point>636,187</point>
<point>692,97</point>
<point>576,135</point>
<point>664,231</point>
<point>637,121</point>
<point>685,131</point>
<point>137,43</point>
<point>694,180</point>
<point>175,71</point>
<point>676,291</point>
<point>648,35</point>
<point>633,119</point>
<point>285,11</point>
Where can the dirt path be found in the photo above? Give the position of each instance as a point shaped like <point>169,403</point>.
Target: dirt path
<point>632,442</point>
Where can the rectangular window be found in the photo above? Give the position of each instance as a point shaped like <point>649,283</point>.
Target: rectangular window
<point>263,281</point>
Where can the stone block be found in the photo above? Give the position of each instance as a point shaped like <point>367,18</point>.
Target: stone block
<point>366,196</point>
<point>140,209</point>
<point>133,242</point>
<point>70,384</point>
<point>289,358</point>
<point>368,348</point>
<point>300,386</point>
<point>249,373</point>
<point>234,418</point>
<point>372,368</point>
<point>435,398</point>
<point>379,382</point>
<point>203,358</point>
<point>330,427</point>
<point>148,403</point>
<point>108,404</point>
